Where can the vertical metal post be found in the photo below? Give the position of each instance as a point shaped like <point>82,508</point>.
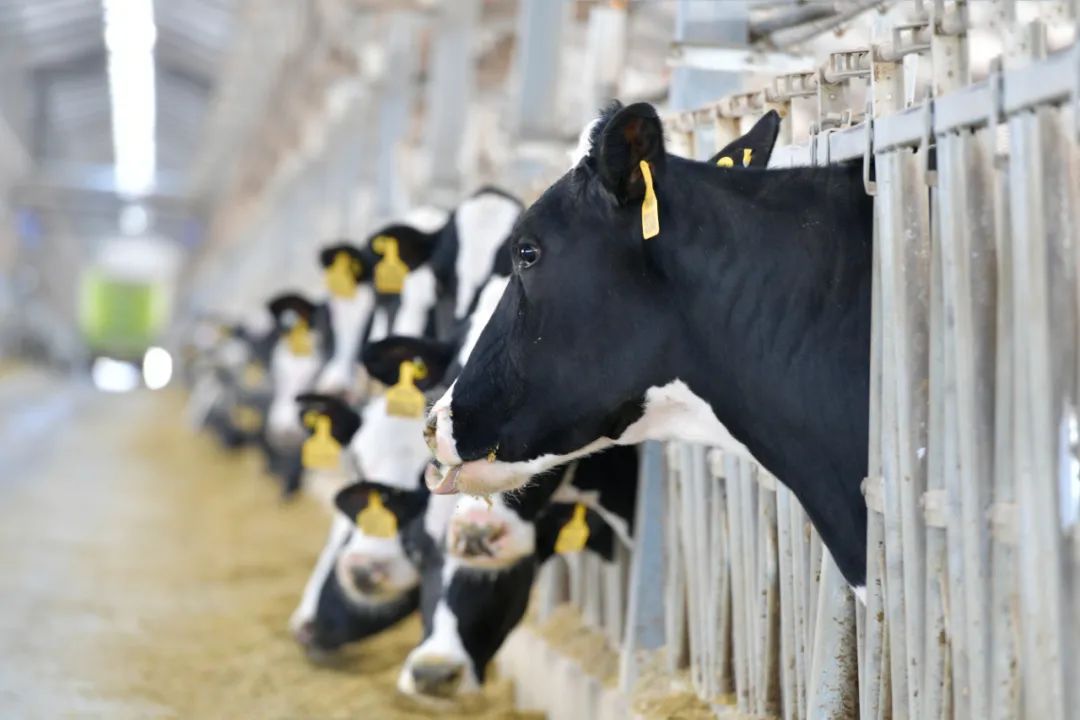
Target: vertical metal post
<point>449,91</point>
<point>395,105</point>
<point>645,607</point>
<point>724,24</point>
<point>536,110</point>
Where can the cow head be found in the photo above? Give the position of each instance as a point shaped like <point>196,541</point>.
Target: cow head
<point>347,270</point>
<point>328,617</point>
<point>374,566</point>
<point>295,360</point>
<point>476,608</point>
<point>542,384</point>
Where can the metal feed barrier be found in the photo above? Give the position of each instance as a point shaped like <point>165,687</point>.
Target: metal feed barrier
<point>973,594</point>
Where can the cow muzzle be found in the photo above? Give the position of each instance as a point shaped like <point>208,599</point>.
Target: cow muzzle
<point>437,677</point>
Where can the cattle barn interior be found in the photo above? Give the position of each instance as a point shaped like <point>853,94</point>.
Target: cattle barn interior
<point>568,359</point>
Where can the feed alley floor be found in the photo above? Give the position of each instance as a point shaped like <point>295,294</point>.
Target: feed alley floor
<point>144,573</point>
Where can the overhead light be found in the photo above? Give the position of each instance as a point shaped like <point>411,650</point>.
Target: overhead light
<point>157,368</point>
<point>115,376</point>
<point>130,35</point>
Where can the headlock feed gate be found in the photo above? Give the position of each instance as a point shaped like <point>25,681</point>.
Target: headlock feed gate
<point>972,606</point>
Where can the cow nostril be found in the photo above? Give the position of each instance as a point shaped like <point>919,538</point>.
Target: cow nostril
<point>438,678</point>
<point>364,580</point>
<point>305,634</point>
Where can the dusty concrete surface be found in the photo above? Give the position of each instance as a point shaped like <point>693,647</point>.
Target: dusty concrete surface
<point>144,573</point>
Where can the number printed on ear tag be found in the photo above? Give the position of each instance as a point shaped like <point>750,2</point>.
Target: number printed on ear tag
<point>321,451</point>
<point>650,209</point>
<point>574,534</point>
<point>404,399</point>
<point>340,280</point>
<point>376,519</point>
<point>390,272</point>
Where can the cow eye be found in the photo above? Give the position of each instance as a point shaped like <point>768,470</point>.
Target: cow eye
<point>527,255</point>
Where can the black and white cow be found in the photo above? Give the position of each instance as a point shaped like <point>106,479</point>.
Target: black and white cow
<point>476,591</point>
<point>745,322</point>
<point>239,392</point>
<point>386,455</point>
<point>302,342</point>
<point>347,271</point>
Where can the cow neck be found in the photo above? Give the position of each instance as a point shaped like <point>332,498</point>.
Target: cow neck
<point>775,273</point>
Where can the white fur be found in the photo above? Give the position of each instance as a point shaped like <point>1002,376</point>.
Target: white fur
<point>672,412</point>
<point>364,550</point>
<point>309,601</point>
<point>518,541</point>
<point>444,642</point>
<point>583,145</point>
<point>437,515</point>
<point>490,295</point>
<point>389,450</point>
<point>483,224</point>
<point>348,316</point>
<point>293,375</point>
<point>380,325</point>
<point>418,296</point>
<point>860,593</point>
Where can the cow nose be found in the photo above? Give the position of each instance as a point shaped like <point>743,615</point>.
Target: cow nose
<point>429,431</point>
<point>305,634</point>
<point>477,539</point>
<point>364,579</point>
<point>437,677</point>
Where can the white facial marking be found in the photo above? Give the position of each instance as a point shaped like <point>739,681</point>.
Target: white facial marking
<point>437,515</point>
<point>490,295</point>
<point>385,557</point>
<point>293,375</point>
<point>348,316</point>
<point>418,296</point>
<point>514,539</point>
<point>483,224</point>
<point>443,644</point>
<point>309,601</point>
<point>389,450</point>
<point>380,325</point>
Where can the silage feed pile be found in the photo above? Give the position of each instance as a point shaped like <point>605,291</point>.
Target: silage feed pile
<point>176,568</point>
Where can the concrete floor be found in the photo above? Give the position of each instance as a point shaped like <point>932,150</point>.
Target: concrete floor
<point>145,573</point>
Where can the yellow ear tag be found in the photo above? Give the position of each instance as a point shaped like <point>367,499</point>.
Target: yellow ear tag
<point>404,399</point>
<point>375,519</point>
<point>299,338</point>
<point>340,280</point>
<point>253,375</point>
<point>725,162</point>
<point>320,451</point>
<point>650,209</point>
<point>390,272</point>
<point>747,153</point>
<point>574,534</point>
<point>246,418</point>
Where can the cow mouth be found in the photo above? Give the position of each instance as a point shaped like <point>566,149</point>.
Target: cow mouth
<point>473,477</point>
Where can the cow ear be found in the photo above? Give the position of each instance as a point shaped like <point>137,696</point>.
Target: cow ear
<point>633,135</point>
<point>351,499</point>
<point>383,359</point>
<point>344,420</point>
<point>754,148</point>
<point>601,538</point>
